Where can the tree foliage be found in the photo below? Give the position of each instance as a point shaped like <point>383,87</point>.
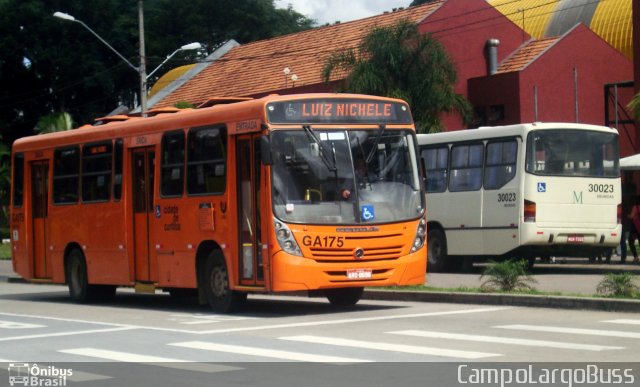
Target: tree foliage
<point>634,105</point>
<point>49,65</point>
<point>400,62</point>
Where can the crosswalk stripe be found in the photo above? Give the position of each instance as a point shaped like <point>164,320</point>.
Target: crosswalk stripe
<point>71,333</point>
<point>623,321</point>
<point>575,331</point>
<point>152,360</point>
<point>391,347</point>
<point>271,353</point>
<point>505,340</point>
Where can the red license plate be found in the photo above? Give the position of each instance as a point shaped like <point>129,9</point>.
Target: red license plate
<point>575,238</point>
<point>359,274</point>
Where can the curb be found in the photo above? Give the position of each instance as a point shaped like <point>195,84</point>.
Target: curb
<point>539,301</point>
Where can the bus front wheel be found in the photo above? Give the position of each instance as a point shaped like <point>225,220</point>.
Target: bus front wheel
<point>436,250</point>
<point>344,296</point>
<point>216,286</point>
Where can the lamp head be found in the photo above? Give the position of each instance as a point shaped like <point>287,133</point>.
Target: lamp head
<point>64,16</point>
<point>191,46</point>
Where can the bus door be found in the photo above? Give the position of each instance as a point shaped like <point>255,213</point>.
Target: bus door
<point>39,212</point>
<point>143,161</point>
<point>249,227</point>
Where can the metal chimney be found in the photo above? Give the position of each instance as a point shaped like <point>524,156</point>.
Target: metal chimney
<point>492,54</point>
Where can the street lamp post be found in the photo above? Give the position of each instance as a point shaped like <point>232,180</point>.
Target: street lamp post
<point>141,70</point>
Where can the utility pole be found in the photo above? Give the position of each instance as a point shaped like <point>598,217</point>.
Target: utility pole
<point>142,69</point>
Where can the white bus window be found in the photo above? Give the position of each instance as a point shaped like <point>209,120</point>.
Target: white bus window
<point>436,161</point>
<point>466,167</point>
<point>501,164</point>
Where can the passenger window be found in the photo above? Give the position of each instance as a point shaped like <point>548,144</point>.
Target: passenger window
<point>501,164</point>
<point>466,167</point>
<point>66,175</point>
<point>18,179</point>
<point>172,164</point>
<point>436,161</point>
<point>206,161</point>
<point>96,172</point>
<point>117,170</point>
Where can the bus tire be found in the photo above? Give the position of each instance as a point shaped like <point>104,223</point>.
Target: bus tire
<point>80,290</point>
<point>436,250</point>
<point>344,296</point>
<point>216,286</point>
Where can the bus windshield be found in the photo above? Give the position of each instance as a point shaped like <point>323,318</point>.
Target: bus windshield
<point>345,176</point>
<point>566,152</point>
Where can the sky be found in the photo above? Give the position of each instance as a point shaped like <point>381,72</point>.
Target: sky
<point>330,11</point>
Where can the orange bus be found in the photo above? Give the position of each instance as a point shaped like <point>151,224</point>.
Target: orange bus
<point>315,192</point>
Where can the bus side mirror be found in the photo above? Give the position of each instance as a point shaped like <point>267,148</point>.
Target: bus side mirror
<point>265,150</point>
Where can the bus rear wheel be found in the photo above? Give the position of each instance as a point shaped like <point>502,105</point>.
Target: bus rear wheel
<point>78,281</point>
<point>344,296</point>
<point>436,250</point>
<point>216,286</point>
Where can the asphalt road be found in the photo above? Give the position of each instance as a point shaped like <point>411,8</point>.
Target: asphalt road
<point>285,341</point>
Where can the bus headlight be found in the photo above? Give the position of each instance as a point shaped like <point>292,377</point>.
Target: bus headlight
<point>285,238</point>
<point>421,233</point>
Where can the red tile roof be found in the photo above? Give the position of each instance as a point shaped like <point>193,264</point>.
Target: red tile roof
<point>525,55</point>
<point>257,67</point>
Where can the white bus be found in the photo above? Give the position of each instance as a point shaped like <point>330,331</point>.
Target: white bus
<point>521,191</point>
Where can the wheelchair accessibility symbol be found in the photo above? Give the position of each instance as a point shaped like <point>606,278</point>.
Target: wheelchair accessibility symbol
<point>542,187</point>
<point>367,213</point>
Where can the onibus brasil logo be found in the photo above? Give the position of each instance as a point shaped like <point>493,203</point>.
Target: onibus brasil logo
<point>25,374</point>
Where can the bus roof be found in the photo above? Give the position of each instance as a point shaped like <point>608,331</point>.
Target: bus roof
<point>506,130</point>
<point>186,118</point>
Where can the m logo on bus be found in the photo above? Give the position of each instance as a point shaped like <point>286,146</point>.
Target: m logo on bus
<point>577,197</point>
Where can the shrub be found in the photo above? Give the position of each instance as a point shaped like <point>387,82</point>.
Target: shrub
<point>621,284</point>
<point>507,276</point>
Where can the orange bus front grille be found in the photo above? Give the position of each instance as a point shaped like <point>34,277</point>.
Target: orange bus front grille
<point>347,255</point>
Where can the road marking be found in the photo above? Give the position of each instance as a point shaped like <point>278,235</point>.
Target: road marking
<point>77,376</point>
<point>17,325</point>
<point>72,333</point>
<point>356,320</point>
<point>270,353</point>
<point>147,359</point>
<point>391,347</point>
<point>575,331</point>
<point>66,319</point>
<point>623,321</point>
<point>505,340</point>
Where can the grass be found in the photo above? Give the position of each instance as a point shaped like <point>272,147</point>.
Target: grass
<point>5,251</point>
<point>464,289</point>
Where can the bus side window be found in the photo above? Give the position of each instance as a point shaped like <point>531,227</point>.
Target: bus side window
<point>466,167</point>
<point>18,179</point>
<point>172,175</point>
<point>96,171</point>
<point>66,175</point>
<point>501,164</point>
<point>436,161</point>
<point>206,161</point>
<point>117,170</point>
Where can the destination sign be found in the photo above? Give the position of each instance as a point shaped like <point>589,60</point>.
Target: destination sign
<point>332,111</point>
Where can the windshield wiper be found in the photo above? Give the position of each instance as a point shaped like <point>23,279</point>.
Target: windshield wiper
<point>331,166</point>
<point>374,148</point>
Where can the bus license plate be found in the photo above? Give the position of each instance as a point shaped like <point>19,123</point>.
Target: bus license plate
<point>359,274</point>
<point>575,238</point>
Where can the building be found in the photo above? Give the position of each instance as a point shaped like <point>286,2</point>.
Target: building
<point>522,78</point>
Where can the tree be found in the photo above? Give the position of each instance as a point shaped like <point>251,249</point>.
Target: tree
<point>5,182</point>
<point>399,62</point>
<point>634,105</point>
<point>56,122</point>
<point>418,2</point>
<point>49,65</point>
